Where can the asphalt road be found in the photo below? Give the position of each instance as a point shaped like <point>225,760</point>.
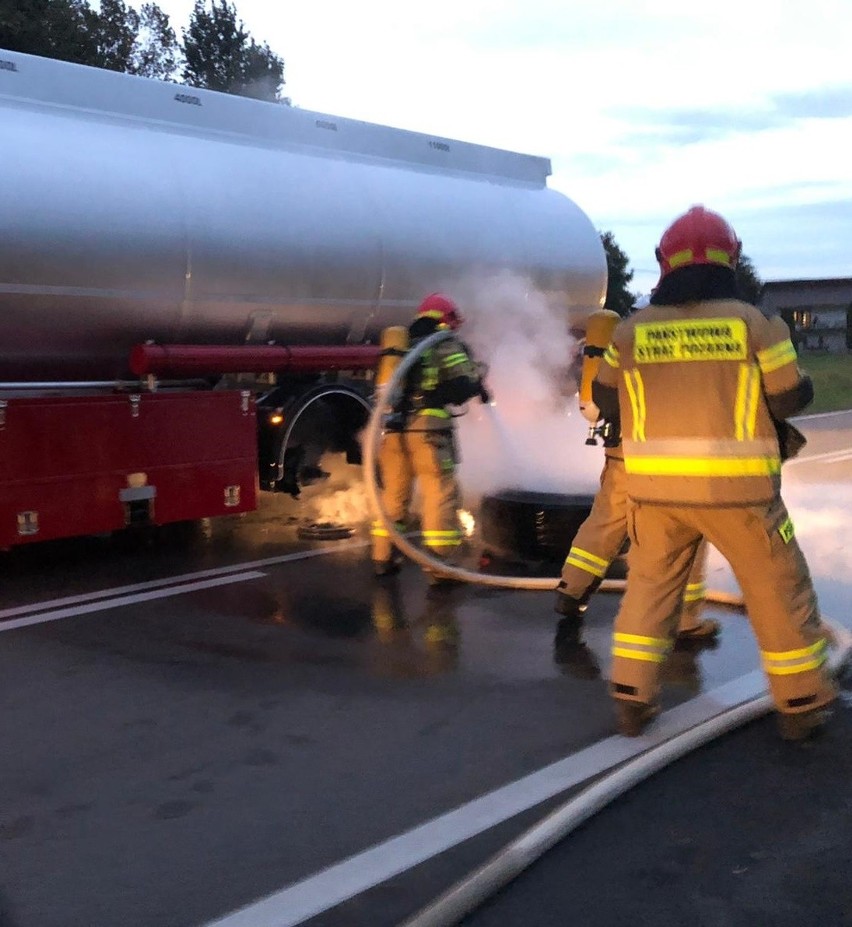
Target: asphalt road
<point>227,714</point>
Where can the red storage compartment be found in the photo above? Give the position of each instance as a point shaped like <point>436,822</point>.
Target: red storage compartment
<point>75,465</point>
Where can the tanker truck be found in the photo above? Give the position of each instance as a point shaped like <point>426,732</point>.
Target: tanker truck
<point>193,286</point>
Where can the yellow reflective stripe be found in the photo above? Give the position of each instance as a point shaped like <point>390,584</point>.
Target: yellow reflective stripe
<point>745,411</point>
<point>796,668</point>
<point>435,413</point>
<point>441,538</point>
<point>623,638</point>
<point>795,654</point>
<point>681,257</point>
<point>453,360</point>
<point>790,662</point>
<point>587,555</point>
<point>378,530</point>
<point>584,566</point>
<point>612,356</point>
<point>703,466</point>
<point>777,356</point>
<point>775,350</point>
<point>717,256</point>
<point>638,655</point>
<point>658,647</point>
<point>636,392</point>
<point>695,592</point>
<point>786,530</point>
<point>687,256</point>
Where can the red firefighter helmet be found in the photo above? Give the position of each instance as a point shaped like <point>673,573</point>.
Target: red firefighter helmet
<point>699,236</point>
<point>442,309</point>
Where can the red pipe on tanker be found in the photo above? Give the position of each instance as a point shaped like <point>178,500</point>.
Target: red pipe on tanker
<point>186,360</point>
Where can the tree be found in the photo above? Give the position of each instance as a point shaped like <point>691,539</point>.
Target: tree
<point>50,28</point>
<point>156,50</point>
<point>221,55</point>
<point>749,285</point>
<point>116,37</point>
<point>135,42</point>
<point>618,298</point>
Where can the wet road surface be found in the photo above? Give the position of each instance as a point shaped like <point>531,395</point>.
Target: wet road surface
<point>197,721</point>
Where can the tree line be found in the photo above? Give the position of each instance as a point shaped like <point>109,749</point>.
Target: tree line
<point>215,51</point>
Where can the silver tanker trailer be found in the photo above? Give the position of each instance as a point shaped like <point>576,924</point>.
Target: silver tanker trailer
<point>259,247</point>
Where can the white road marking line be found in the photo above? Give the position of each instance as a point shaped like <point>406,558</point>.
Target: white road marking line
<point>805,418</point>
<point>827,457</point>
<point>344,880</point>
<point>171,580</point>
<point>117,602</point>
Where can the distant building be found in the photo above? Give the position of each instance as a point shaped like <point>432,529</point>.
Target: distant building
<point>819,312</point>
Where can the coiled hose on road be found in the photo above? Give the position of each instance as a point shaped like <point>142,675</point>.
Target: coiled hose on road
<point>467,895</point>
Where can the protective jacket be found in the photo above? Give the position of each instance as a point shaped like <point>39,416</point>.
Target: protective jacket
<point>445,375</point>
<point>713,440</point>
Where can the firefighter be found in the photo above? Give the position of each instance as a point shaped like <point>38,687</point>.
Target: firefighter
<point>603,534</point>
<point>700,379</point>
<point>419,440</point>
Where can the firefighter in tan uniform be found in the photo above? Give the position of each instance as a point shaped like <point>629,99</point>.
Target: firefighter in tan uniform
<point>602,535</point>
<point>704,383</point>
<point>419,440</point>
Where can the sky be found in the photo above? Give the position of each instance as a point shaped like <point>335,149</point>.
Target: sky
<point>644,107</point>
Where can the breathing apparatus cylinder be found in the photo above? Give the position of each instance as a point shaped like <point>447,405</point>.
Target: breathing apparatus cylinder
<point>394,344</point>
<point>599,328</point>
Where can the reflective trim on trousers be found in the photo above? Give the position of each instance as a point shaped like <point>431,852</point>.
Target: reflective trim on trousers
<point>378,529</point>
<point>441,538</point>
<point>788,662</point>
<point>639,647</point>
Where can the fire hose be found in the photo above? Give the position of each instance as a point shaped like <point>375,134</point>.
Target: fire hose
<point>478,886</point>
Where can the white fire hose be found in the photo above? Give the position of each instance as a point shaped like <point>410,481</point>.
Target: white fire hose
<point>477,887</point>
<point>449,908</point>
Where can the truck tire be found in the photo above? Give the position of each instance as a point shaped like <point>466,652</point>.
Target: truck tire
<point>523,526</point>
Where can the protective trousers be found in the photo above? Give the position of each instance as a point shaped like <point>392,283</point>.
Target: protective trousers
<point>759,544</point>
<point>427,456</point>
<point>601,537</point>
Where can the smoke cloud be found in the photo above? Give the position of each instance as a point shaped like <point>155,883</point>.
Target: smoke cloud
<point>533,436</point>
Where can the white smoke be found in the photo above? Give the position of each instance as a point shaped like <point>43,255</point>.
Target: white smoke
<point>340,499</point>
<point>820,515</point>
<point>533,437</point>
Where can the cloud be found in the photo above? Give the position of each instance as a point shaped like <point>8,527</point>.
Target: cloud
<point>821,103</point>
<point>688,126</point>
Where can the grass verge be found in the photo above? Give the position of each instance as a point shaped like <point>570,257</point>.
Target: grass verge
<point>832,376</point>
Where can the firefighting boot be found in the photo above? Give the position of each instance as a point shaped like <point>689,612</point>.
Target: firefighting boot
<point>574,657</point>
<point>633,717</point>
<point>803,725</point>
<point>703,634</point>
<point>389,567</point>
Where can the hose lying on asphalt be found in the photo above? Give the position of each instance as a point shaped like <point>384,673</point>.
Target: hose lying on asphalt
<point>384,400</point>
<point>467,895</point>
